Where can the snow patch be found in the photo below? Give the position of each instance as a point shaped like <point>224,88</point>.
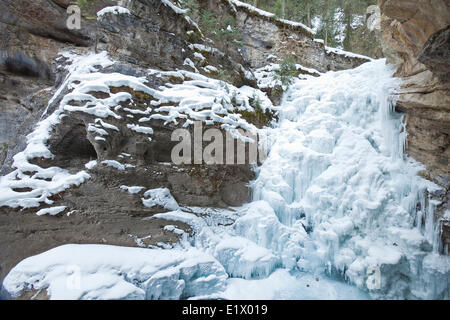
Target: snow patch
<point>51,211</point>
<point>113,10</point>
<point>160,197</point>
<point>111,272</point>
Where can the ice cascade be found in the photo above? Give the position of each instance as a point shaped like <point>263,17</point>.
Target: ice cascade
<point>337,169</point>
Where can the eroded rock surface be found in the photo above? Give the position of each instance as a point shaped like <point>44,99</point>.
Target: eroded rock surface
<point>265,36</point>
<point>416,34</point>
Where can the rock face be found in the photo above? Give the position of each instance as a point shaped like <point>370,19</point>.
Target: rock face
<point>266,36</point>
<point>417,36</point>
<point>418,31</point>
<point>32,33</point>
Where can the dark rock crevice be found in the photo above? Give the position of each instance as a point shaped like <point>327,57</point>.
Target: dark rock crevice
<point>73,148</point>
<point>436,54</point>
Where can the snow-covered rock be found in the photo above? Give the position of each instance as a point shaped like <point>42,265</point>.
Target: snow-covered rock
<point>110,272</point>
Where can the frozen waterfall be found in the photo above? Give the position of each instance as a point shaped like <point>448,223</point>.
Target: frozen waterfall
<point>338,213</point>
<point>337,170</point>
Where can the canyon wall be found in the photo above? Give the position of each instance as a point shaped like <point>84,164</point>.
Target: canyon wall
<point>416,36</point>
<point>267,37</point>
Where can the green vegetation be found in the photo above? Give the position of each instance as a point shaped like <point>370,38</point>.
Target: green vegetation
<point>193,7</point>
<point>221,31</point>
<point>85,4</point>
<point>208,22</point>
<point>87,8</point>
<point>4,146</point>
<point>255,102</point>
<point>286,72</point>
<point>224,75</point>
<point>229,32</point>
<point>259,118</point>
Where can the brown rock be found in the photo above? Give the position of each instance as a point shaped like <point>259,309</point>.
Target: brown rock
<point>269,36</point>
<point>416,35</point>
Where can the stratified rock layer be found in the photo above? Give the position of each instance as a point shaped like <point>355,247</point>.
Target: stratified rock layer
<point>416,34</point>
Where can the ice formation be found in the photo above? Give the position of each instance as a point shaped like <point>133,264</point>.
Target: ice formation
<point>109,272</point>
<point>337,170</point>
<point>336,214</point>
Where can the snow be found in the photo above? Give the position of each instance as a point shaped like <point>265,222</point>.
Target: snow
<point>245,259</point>
<point>251,249</point>
<point>283,285</point>
<point>252,8</point>
<point>346,53</point>
<point>140,241</point>
<point>297,24</point>
<point>210,69</point>
<point>132,190</point>
<point>204,99</point>
<point>198,56</point>
<point>260,12</point>
<point>91,164</point>
<point>106,125</point>
<point>46,182</point>
<point>51,211</point>
<point>160,197</point>
<point>174,229</point>
<point>110,272</point>
<point>140,129</point>
<point>199,98</point>
<point>117,165</point>
<point>190,63</point>
<point>92,128</point>
<point>112,10</point>
<point>203,48</point>
<point>266,77</point>
<point>137,111</point>
<point>174,7</point>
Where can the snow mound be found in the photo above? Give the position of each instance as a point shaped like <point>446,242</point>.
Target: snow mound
<point>51,211</point>
<point>117,165</point>
<point>132,190</point>
<point>113,10</point>
<point>160,197</point>
<point>110,272</point>
<point>346,53</point>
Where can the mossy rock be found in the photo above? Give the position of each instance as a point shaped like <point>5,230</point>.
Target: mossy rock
<point>138,96</point>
